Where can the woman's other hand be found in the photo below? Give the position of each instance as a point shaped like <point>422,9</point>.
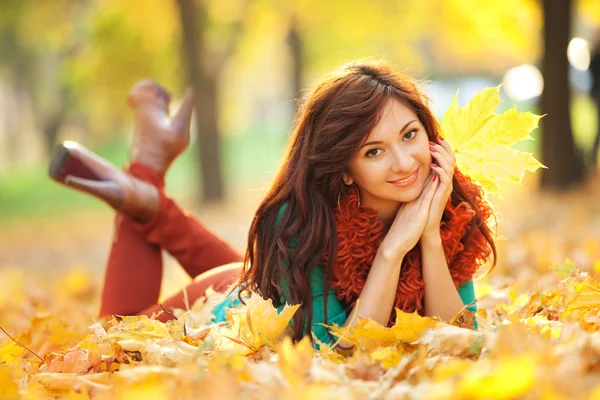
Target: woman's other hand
<point>410,222</point>
<point>444,155</point>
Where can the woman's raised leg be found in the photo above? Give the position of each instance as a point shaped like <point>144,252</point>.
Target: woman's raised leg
<point>133,272</point>
<point>147,219</point>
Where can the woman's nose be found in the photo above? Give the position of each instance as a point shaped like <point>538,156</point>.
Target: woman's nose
<point>403,161</point>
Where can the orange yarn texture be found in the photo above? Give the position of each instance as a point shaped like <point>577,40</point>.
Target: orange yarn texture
<point>360,238</point>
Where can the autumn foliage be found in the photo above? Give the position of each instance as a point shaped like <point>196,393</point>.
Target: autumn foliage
<point>538,345</point>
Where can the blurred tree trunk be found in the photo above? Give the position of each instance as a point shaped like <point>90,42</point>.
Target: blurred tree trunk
<point>53,122</point>
<point>51,97</point>
<point>204,69</point>
<point>193,20</point>
<point>14,122</point>
<point>559,153</point>
<point>294,40</point>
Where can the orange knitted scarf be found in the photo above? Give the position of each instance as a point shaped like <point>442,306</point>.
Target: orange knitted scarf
<point>359,240</point>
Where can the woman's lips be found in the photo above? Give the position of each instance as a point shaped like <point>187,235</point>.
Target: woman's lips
<point>407,181</point>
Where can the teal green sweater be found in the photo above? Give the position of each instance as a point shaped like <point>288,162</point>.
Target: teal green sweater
<point>337,311</point>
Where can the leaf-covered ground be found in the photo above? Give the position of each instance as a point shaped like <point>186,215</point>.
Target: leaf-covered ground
<point>538,333</point>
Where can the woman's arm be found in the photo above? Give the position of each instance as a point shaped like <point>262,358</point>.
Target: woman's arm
<point>441,297</point>
<point>376,300</point>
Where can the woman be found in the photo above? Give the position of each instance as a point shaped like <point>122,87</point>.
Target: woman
<point>367,212</point>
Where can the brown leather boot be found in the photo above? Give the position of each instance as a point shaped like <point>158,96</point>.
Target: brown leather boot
<point>158,139</point>
<point>75,166</point>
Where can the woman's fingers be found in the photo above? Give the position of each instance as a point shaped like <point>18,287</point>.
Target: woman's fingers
<point>428,192</point>
<point>442,161</point>
<point>446,146</point>
<point>426,185</point>
<point>445,188</point>
<point>444,155</point>
<point>442,174</point>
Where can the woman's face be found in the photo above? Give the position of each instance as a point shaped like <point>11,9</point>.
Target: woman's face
<point>393,164</point>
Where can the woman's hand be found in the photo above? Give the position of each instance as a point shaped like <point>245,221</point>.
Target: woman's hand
<point>410,221</point>
<point>444,155</point>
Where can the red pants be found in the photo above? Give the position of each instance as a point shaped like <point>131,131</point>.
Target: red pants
<point>134,270</point>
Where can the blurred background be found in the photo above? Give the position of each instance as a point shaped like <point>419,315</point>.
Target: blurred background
<point>66,68</point>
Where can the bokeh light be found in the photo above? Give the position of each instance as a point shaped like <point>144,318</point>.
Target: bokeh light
<point>523,82</point>
<point>578,53</point>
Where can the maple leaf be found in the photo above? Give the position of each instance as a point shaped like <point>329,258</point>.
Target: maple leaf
<point>388,356</point>
<point>506,378</point>
<point>295,360</point>
<point>451,340</point>
<point>11,354</point>
<point>138,328</point>
<point>411,326</point>
<point>369,335</point>
<point>256,324</point>
<point>74,361</point>
<point>482,139</point>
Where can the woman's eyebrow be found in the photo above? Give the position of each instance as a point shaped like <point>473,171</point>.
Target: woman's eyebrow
<point>379,141</point>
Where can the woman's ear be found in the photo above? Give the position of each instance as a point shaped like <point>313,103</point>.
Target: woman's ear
<point>347,179</point>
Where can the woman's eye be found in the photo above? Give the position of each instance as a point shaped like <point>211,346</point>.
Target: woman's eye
<point>411,134</point>
<point>373,152</point>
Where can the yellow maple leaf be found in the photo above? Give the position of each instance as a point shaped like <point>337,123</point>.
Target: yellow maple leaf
<point>368,334</point>
<point>11,354</point>
<point>295,360</point>
<point>482,139</point>
<point>587,296</point>
<point>411,326</point>
<point>138,327</point>
<point>506,378</point>
<point>388,356</point>
<point>256,324</point>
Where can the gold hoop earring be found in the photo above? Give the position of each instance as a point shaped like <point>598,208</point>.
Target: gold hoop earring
<point>338,201</point>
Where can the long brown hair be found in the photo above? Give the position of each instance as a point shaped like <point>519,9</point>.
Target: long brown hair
<point>332,124</point>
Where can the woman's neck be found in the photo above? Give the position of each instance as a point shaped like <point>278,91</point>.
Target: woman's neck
<point>386,209</point>
<point>387,214</point>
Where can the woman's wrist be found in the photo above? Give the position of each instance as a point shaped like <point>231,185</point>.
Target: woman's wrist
<point>391,254</point>
<point>431,239</point>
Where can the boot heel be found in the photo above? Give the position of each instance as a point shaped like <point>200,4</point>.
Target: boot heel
<point>64,163</point>
<point>79,168</point>
<point>60,155</point>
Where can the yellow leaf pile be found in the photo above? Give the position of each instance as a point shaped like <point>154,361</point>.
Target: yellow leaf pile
<point>482,139</point>
<point>544,344</point>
